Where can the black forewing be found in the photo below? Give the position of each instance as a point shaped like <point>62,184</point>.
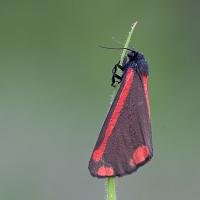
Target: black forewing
<point>131,130</point>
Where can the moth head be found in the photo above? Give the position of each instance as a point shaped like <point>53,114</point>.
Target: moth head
<point>135,56</point>
<point>132,55</point>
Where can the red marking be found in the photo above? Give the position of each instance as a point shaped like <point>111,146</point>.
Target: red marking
<point>105,171</point>
<point>140,154</point>
<point>97,155</point>
<point>145,82</point>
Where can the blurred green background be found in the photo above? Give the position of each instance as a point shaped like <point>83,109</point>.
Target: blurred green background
<point>55,92</point>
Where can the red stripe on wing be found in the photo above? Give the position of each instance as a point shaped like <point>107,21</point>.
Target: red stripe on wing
<point>145,82</point>
<point>97,155</point>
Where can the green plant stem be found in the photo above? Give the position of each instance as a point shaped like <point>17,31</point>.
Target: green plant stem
<point>111,188</point>
<point>127,42</point>
<point>111,193</point>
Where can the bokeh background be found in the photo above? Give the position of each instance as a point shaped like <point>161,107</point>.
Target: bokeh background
<point>55,92</point>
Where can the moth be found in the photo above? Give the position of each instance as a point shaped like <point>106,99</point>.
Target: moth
<point>125,140</point>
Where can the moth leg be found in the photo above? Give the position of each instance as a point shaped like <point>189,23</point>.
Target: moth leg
<point>122,67</point>
<point>114,71</point>
<point>114,79</point>
<point>118,77</point>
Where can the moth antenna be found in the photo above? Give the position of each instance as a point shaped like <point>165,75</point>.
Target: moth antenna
<point>120,48</point>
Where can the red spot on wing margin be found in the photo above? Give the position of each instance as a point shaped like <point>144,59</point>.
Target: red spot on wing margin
<point>140,154</point>
<point>105,171</point>
<point>97,155</point>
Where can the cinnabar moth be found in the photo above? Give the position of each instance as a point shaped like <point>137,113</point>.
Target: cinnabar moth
<point>125,141</point>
